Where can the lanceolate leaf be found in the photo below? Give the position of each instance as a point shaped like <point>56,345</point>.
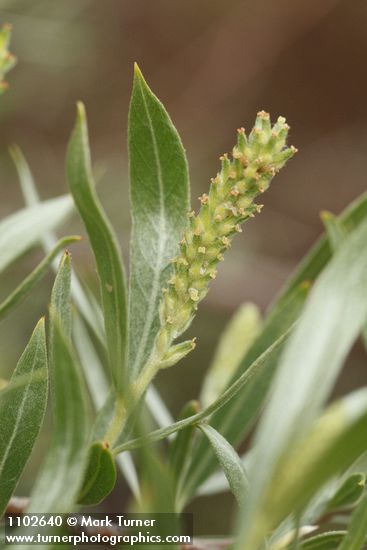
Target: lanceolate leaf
<point>62,474</point>
<point>160,202</point>
<point>24,229</point>
<point>229,461</point>
<point>21,413</point>
<point>104,244</point>
<point>334,316</point>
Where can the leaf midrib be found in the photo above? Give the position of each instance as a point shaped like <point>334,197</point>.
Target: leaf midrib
<point>161,242</point>
<point>20,413</point>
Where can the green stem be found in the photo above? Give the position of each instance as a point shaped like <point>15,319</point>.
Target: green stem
<point>241,381</point>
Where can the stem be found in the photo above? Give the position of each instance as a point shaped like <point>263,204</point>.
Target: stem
<point>241,381</point>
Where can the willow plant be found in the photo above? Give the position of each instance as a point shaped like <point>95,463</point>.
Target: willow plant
<point>302,484</point>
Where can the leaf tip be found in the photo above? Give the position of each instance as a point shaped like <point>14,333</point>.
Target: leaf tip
<point>326,215</point>
<point>81,115</point>
<point>137,71</point>
<point>138,76</point>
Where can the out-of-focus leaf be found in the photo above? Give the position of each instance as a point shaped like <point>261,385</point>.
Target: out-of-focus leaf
<point>229,461</point>
<point>332,444</point>
<point>332,319</point>
<point>158,408</point>
<point>160,202</point>
<point>337,234</point>
<point>287,537</point>
<point>61,476</point>
<point>326,541</point>
<point>235,341</point>
<point>356,536</point>
<point>100,477</point>
<point>105,247</point>
<point>24,229</point>
<point>334,229</point>
<point>236,418</point>
<point>21,413</point>
<point>87,305</point>
<point>308,270</point>
<point>33,278</point>
<point>314,262</point>
<point>158,496</point>
<point>349,493</point>
<point>181,445</point>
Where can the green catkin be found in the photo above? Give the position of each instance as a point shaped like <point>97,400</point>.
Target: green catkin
<point>255,160</point>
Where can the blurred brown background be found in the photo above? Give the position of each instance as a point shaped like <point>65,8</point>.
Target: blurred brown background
<point>214,64</point>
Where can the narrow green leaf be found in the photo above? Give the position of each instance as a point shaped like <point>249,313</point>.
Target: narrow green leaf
<point>24,229</point>
<point>356,536</point>
<point>237,417</point>
<point>27,184</point>
<point>160,201</point>
<point>238,336</point>
<point>100,476</point>
<point>21,413</point>
<point>332,319</point>
<point>60,479</point>
<point>349,492</point>
<point>229,461</point>
<point>33,278</point>
<point>104,244</point>
<point>181,446</point>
